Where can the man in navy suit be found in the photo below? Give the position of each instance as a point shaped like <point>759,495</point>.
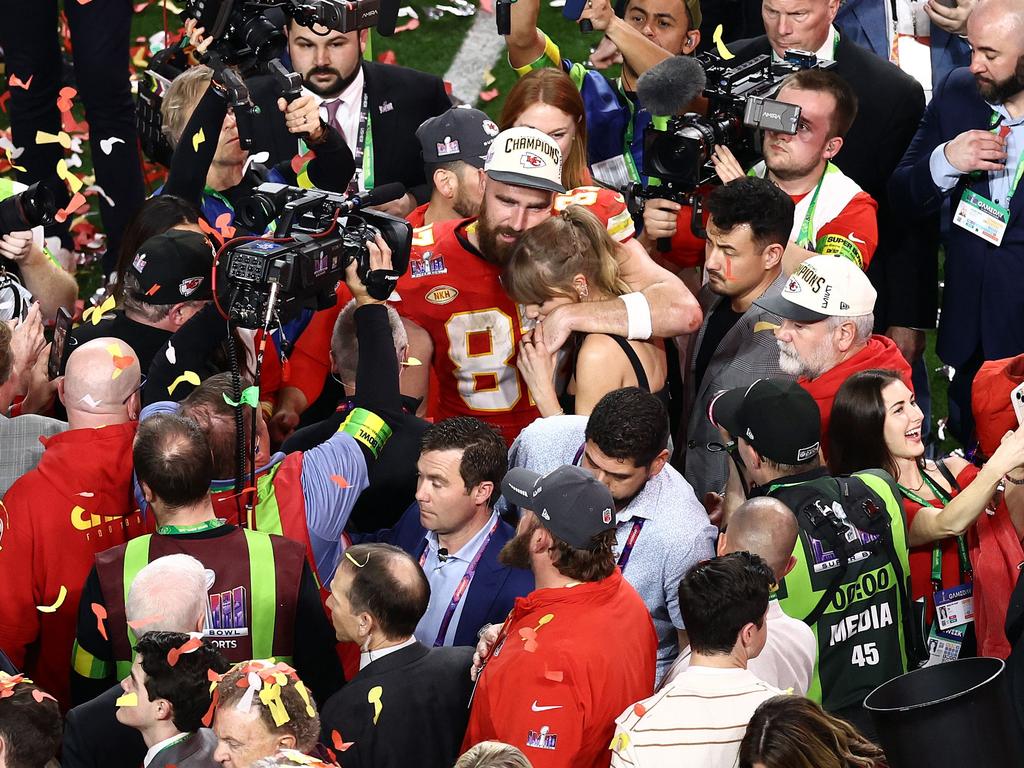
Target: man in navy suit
<point>968,149</point>
<point>455,534</point>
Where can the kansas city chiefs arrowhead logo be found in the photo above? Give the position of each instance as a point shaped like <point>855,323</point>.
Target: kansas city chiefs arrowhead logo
<point>189,285</point>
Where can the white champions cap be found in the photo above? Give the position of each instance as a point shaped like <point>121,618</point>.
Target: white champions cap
<point>821,287</point>
<point>525,157</point>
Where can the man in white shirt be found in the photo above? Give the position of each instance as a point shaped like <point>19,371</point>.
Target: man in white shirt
<point>766,527</point>
<point>700,717</point>
<point>166,697</point>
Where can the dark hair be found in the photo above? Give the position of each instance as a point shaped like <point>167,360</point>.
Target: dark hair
<point>303,721</point>
<point>592,564</point>
<point>484,452</point>
<point>755,202</point>
<point>380,589</point>
<point>794,732</point>
<point>206,406</point>
<point>172,456</point>
<point>718,597</point>
<point>6,353</point>
<point>31,729</point>
<point>856,428</point>
<point>824,81</point>
<point>154,217</point>
<point>629,423</point>
<point>455,166</point>
<point>185,685</point>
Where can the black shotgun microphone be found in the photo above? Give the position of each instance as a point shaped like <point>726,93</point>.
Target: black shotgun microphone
<point>669,86</point>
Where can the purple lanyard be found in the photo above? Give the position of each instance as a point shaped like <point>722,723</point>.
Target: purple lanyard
<point>463,585</point>
<point>634,532</point>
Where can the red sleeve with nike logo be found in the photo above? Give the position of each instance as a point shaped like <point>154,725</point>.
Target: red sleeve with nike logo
<point>853,233</point>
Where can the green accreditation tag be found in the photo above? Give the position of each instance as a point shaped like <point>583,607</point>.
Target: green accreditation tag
<point>982,217</point>
<point>368,428</point>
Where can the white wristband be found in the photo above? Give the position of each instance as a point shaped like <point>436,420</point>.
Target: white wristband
<point>638,315</point>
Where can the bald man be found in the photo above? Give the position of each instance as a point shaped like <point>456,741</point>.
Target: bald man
<point>75,503</point>
<point>766,527</point>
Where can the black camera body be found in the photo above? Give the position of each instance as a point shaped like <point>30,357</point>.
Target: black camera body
<point>740,104</point>
<point>34,206</point>
<point>327,232</point>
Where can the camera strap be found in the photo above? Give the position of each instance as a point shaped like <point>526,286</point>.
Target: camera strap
<point>362,152</point>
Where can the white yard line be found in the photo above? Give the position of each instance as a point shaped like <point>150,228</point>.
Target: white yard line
<point>480,50</point>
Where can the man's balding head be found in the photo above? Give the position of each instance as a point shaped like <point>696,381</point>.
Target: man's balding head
<point>101,383</point>
<point>766,527</point>
<point>995,30</point>
<point>173,461</point>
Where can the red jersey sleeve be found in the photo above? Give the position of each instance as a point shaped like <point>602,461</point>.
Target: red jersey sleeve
<point>853,233</point>
<point>608,205</point>
<point>310,360</point>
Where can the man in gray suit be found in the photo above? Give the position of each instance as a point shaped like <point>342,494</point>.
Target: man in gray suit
<point>747,232</point>
<point>166,697</point>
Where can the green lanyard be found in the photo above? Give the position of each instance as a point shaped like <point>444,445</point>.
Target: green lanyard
<point>806,237</point>
<point>658,121</point>
<point>966,572</point>
<point>178,530</point>
<point>994,122</point>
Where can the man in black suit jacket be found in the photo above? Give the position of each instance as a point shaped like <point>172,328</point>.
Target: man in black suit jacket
<point>890,105</point>
<point>381,107</point>
<point>408,705</point>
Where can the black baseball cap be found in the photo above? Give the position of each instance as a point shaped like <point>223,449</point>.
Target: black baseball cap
<point>173,266</point>
<point>569,501</point>
<point>461,133</point>
<point>778,417</point>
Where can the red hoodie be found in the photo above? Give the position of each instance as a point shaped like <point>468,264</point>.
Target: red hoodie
<point>77,502</point>
<point>879,352</point>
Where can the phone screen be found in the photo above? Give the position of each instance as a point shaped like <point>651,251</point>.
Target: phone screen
<point>61,326</point>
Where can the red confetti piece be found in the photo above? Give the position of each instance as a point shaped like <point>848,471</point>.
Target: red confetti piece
<point>123,361</point>
<point>387,57</point>
<point>409,26</point>
<point>213,677</point>
<point>447,87</point>
<point>490,95</point>
<point>143,622</point>
<point>4,99</point>
<point>339,743</point>
<point>208,717</point>
<point>41,696</point>
<point>553,675</point>
<point>153,289</point>
<point>189,645</point>
<point>67,93</point>
<point>76,202</point>
<point>16,82</point>
<point>97,609</point>
<point>639,709</point>
<point>341,481</point>
<point>223,225</point>
<point>299,160</point>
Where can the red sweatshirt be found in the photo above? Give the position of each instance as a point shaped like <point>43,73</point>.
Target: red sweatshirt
<point>567,659</point>
<point>879,352</point>
<point>77,502</point>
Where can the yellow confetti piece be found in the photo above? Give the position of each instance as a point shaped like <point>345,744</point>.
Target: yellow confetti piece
<point>620,742</point>
<point>198,139</point>
<point>764,325</point>
<point>14,165</point>
<point>545,619</point>
<point>95,314</point>
<point>412,362</point>
<point>61,597</point>
<point>270,695</point>
<point>42,137</point>
<point>373,697</point>
<point>488,78</point>
<point>724,52</point>
<point>114,350</point>
<point>127,700</point>
<point>73,181</point>
<point>305,697</point>
<point>189,377</point>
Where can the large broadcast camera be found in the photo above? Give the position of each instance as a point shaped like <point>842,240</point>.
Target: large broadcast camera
<point>740,105</point>
<point>318,234</point>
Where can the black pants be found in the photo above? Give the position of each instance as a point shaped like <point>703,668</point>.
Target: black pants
<point>100,36</point>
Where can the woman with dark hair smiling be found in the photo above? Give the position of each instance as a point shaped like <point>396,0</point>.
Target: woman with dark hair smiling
<point>876,423</point>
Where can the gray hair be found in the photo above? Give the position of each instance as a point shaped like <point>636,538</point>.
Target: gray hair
<point>345,347</point>
<point>168,595</point>
<point>181,99</point>
<point>493,754</point>
<point>863,325</point>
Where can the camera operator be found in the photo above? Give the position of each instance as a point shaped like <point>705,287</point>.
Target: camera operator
<point>209,166</point>
<point>375,107</point>
<point>833,215</point>
<point>306,496</point>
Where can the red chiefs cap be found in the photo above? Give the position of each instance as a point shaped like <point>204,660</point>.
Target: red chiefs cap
<point>171,267</point>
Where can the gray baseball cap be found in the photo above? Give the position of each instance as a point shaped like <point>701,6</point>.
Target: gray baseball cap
<point>569,501</point>
<point>461,133</point>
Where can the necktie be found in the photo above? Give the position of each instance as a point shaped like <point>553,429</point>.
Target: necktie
<point>332,108</point>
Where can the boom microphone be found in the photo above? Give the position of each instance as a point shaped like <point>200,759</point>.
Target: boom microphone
<point>668,87</point>
<point>385,193</point>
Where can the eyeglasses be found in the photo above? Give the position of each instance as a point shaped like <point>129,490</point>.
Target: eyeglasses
<point>138,388</point>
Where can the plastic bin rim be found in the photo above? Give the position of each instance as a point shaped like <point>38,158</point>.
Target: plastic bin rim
<point>909,707</point>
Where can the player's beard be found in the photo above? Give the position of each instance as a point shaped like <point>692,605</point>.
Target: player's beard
<point>998,92</point>
<point>516,552</point>
<point>493,249</point>
<point>334,87</point>
<point>464,204</point>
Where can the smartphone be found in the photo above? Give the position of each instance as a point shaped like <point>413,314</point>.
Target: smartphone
<point>1017,401</point>
<point>61,326</point>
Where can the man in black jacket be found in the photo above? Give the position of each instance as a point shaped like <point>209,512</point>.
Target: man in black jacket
<point>376,108</point>
<point>402,688</point>
<point>890,105</point>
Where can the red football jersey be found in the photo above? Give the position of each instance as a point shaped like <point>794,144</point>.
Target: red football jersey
<point>607,204</point>
<point>456,296</point>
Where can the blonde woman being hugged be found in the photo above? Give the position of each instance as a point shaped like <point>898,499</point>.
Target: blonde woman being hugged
<point>568,259</point>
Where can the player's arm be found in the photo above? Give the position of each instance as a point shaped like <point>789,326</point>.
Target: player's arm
<point>526,43</point>
<point>640,52</point>
<point>853,234</point>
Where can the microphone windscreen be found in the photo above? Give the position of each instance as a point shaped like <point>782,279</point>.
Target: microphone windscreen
<point>668,87</point>
<point>384,193</point>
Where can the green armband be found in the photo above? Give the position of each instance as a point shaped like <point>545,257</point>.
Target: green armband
<point>368,428</point>
<point>87,665</point>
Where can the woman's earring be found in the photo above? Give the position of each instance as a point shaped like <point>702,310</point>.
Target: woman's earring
<point>583,292</point>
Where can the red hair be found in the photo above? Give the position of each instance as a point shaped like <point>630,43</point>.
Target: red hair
<point>555,88</point>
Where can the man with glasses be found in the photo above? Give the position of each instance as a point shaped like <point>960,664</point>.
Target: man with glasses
<point>748,230</point>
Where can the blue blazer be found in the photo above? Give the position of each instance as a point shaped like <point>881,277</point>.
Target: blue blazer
<point>983,301</point>
<point>866,22</point>
<point>494,587</point>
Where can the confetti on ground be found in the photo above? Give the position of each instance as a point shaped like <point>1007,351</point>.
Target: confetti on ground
<point>127,700</point>
<point>409,26</point>
<point>488,78</point>
<point>61,597</point>
<point>188,377</point>
<point>490,95</point>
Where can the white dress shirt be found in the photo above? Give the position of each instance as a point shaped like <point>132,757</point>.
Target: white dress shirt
<point>365,657</point>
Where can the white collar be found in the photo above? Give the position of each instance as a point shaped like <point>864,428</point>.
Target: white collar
<point>470,548</point>
<point>368,656</point>
<point>157,748</point>
<point>827,50</point>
